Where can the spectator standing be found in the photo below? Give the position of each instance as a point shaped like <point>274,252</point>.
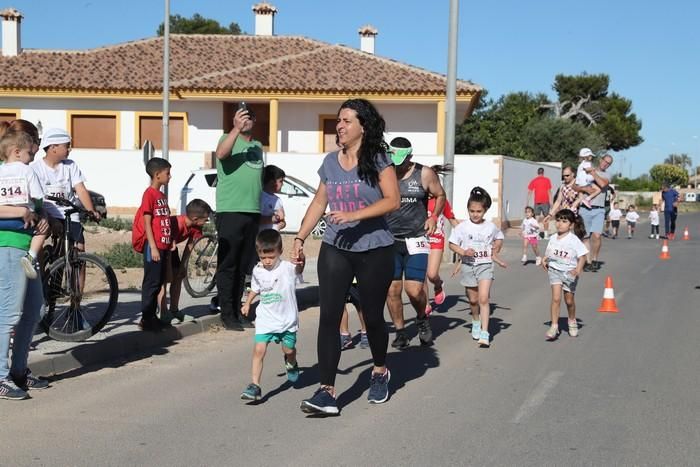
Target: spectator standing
<point>540,190</point>
<point>670,199</point>
<point>594,217</point>
<point>239,166</point>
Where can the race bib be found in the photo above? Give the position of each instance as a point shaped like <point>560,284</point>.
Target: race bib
<point>561,256</point>
<point>418,245</point>
<point>482,252</point>
<point>14,191</point>
<point>58,190</point>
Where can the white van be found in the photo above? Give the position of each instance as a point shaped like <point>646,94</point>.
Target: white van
<point>690,197</point>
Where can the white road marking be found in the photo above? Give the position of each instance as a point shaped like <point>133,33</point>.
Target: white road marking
<point>537,396</point>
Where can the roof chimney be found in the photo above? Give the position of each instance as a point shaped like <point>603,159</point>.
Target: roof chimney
<point>11,20</point>
<point>264,19</point>
<point>367,35</point>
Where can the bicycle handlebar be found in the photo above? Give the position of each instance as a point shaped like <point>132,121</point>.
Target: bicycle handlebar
<point>73,207</point>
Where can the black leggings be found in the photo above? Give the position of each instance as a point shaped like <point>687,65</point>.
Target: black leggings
<point>374,270</point>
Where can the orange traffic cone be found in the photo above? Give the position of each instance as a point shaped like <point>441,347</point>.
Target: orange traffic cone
<point>608,305</point>
<point>664,251</point>
<point>686,234</point>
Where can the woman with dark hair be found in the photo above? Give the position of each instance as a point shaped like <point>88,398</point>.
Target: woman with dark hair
<point>359,186</point>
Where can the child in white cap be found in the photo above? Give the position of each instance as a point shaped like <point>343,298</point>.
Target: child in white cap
<point>584,178</point>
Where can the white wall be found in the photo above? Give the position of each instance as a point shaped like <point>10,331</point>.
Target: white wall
<point>517,174</point>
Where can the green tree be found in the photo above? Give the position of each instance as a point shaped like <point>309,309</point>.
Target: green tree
<point>556,140</point>
<point>198,25</point>
<point>681,160</point>
<point>667,173</point>
<point>609,114</point>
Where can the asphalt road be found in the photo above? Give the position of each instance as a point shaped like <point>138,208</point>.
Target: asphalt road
<point>625,392</point>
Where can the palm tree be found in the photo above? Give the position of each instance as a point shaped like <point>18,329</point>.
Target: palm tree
<point>681,160</point>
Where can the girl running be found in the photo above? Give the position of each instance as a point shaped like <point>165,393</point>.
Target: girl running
<point>478,242</point>
<point>531,230</point>
<point>564,260</point>
<point>437,245</point>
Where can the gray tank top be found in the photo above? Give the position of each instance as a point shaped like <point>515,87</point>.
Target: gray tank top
<point>409,220</point>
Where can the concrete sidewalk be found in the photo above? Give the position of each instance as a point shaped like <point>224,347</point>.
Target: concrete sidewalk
<point>121,339</point>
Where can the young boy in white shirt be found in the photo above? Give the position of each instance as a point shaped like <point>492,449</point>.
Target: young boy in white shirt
<point>615,216</point>
<point>274,279</point>
<point>584,178</point>
<point>632,217</point>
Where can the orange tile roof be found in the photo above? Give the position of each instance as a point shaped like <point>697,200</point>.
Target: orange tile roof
<point>220,63</point>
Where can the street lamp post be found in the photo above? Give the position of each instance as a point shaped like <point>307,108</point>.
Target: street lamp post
<point>166,85</point>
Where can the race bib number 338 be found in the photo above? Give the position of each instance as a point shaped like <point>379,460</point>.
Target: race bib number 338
<point>14,191</point>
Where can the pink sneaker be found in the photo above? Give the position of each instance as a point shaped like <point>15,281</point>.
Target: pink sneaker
<point>428,310</point>
<point>439,296</point>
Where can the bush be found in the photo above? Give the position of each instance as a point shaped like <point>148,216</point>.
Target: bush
<point>122,255</point>
<point>114,223</point>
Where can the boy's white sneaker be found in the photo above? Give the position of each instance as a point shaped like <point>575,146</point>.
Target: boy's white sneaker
<point>29,266</point>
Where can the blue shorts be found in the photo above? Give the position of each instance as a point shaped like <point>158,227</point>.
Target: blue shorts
<point>409,267</point>
<point>16,225</point>
<point>287,338</point>
<point>593,219</point>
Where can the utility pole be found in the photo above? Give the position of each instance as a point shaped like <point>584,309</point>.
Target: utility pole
<point>451,99</point>
<point>166,85</point>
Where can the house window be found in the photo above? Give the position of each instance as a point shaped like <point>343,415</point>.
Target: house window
<point>261,129</point>
<point>8,116</point>
<point>151,128</point>
<point>328,133</point>
<point>94,131</point>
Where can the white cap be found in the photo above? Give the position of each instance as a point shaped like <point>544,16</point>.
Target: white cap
<point>585,152</point>
<point>54,136</point>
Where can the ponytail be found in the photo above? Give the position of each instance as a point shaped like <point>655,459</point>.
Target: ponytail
<point>442,169</point>
<point>479,195</point>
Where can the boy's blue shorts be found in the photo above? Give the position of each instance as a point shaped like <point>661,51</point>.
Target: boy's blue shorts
<point>16,225</point>
<point>287,338</point>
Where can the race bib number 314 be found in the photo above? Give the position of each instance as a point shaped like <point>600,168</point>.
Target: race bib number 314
<point>14,191</point>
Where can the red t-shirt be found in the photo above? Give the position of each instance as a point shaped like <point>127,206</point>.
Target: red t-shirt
<point>154,203</point>
<point>180,230</point>
<point>446,214</point>
<point>540,185</point>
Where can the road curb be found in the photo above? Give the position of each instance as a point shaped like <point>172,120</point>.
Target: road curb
<point>118,346</point>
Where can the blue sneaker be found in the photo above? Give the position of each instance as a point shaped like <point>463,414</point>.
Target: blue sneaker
<point>9,390</point>
<point>346,342</point>
<point>484,339</point>
<point>476,329</point>
<point>292,370</point>
<point>252,392</point>
<point>379,387</point>
<point>322,402</point>
<point>364,342</point>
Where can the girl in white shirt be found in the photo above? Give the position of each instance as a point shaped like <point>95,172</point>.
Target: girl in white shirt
<point>654,221</point>
<point>531,230</point>
<point>564,260</point>
<point>631,217</point>
<point>478,242</point>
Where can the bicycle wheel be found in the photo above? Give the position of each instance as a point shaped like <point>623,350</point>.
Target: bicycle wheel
<point>73,315</point>
<point>201,266</point>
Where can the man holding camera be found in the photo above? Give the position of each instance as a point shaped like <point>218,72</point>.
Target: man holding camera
<point>239,166</point>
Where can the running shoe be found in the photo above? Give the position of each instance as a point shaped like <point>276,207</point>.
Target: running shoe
<point>588,267</point>
<point>595,266</point>
<point>178,314</point>
<point>379,387</point>
<point>292,370</point>
<point>346,342</point>
<point>29,381</point>
<point>9,390</point>
<point>214,307</point>
<point>29,265</point>
<point>401,341</point>
<point>439,295</point>
<point>364,342</point>
<point>322,402</point>
<point>573,328</point>
<point>484,339</point>
<point>428,309</point>
<point>552,333</point>
<point>538,261</point>
<point>524,259</point>
<point>252,392</point>
<point>476,330</point>
<point>425,333</point>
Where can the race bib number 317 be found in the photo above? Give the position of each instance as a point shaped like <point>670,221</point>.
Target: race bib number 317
<point>14,191</point>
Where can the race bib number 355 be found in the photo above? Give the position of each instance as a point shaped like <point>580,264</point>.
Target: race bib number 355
<point>14,191</point>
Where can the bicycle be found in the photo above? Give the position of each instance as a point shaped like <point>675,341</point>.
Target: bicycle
<point>201,266</point>
<point>80,289</point>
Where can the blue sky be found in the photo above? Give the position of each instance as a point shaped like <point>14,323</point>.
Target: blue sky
<point>650,50</point>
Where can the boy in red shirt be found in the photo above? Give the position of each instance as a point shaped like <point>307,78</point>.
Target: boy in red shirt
<point>151,235</point>
<point>185,227</point>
